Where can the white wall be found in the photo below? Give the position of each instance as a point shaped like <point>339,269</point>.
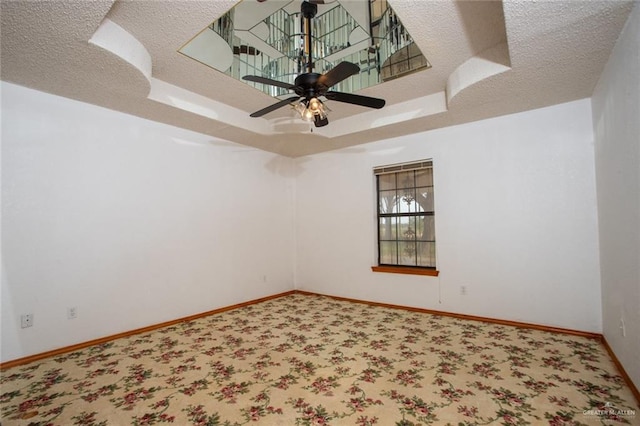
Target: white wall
<point>131,221</point>
<point>616,121</point>
<point>516,220</point>
<point>135,222</point>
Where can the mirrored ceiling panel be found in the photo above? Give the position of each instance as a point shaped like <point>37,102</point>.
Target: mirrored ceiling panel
<point>268,38</point>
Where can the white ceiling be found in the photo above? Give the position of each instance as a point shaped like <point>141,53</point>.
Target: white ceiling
<point>488,59</point>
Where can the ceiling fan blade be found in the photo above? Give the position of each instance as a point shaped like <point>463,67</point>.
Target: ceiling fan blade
<point>274,107</point>
<point>350,98</point>
<point>264,80</point>
<point>338,73</point>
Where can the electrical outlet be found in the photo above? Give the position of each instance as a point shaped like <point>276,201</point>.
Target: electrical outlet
<point>72,313</point>
<point>26,320</point>
<point>623,330</point>
<point>463,290</point>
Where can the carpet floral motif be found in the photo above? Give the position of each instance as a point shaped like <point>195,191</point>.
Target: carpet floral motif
<point>312,360</point>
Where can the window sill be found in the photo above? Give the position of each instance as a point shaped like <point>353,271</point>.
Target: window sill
<point>406,270</point>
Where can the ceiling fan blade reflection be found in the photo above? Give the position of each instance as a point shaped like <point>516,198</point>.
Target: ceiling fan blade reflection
<point>275,106</point>
<point>264,80</point>
<point>350,98</point>
<point>338,73</point>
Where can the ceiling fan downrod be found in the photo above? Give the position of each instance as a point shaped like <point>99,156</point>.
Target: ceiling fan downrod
<point>309,11</point>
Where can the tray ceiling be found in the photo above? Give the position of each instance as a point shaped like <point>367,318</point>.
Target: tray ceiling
<point>488,59</point>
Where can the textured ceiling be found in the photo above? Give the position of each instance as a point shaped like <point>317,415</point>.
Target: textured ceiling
<point>488,59</point>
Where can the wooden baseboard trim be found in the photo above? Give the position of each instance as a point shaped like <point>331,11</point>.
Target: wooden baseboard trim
<point>466,317</point>
<point>597,336</point>
<point>622,371</point>
<point>79,346</point>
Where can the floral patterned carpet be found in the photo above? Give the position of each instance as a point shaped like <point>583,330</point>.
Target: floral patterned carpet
<point>312,360</point>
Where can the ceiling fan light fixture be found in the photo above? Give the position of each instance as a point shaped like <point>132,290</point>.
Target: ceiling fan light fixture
<point>300,108</point>
<point>311,110</point>
<point>315,105</point>
<point>307,115</point>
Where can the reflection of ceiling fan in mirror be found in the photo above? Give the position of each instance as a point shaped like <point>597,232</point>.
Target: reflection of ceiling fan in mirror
<point>310,86</point>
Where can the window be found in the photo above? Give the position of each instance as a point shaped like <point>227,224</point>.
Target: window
<point>406,217</point>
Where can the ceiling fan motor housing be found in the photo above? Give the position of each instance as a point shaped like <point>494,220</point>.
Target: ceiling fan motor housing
<point>307,85</point>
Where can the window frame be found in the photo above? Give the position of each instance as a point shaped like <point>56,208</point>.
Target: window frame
<point>395,169</point>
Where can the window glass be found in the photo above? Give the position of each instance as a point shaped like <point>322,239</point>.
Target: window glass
<point>406,215</point>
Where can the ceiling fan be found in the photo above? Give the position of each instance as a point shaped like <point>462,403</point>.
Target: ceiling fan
<point>310,86</point>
